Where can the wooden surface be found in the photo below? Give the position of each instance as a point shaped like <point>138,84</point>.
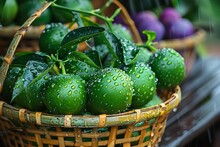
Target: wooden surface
<point>200,105</point>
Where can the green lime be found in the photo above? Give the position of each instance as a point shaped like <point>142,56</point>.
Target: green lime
<point>168,66</point>
<point>64,94</point>
<point>144,84</point>
<point>27,8</point>
<point>65,16</point>
<point>11,78</point>
<point>109,91</point>
<point>51,37</point>
<point>9,12</point>
<point>30,97</point>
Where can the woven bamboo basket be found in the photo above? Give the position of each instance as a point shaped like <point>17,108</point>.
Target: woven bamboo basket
<point>21,127</point>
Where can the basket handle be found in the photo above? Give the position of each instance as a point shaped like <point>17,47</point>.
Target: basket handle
<point>8,58</point>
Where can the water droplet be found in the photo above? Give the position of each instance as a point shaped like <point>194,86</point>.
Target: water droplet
<point>152,89</point>
<point>168,63</point>
<point>137,76</point>
<point>70,92</point>
<point>114,78</point>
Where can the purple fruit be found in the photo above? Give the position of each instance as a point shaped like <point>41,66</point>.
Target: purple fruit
<point>119,20</point>
<point>155,26</point>
<point>180,29</point>
<point>168,16</point>
<point>143,16</point>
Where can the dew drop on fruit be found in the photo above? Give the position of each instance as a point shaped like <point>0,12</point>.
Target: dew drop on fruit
<point>168,63</point>
<point>152,89</point>
<point>70,92</point>
<point>165,59</point>
<point>114,78</point>
<point>137,76</point>
<point>108,80</point>
<point>73,87</point>
<point>141,71</point>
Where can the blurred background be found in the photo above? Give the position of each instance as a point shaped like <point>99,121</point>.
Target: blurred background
<point>202,13</point>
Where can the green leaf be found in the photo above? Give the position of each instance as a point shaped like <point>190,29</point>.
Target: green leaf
<point>142,55</point>
<point>109,61</point>
<point>151,35</point>
<point>94,56</point>
<point>82,57</point>
<point>130,51</point>
<point>112,43</point>
<point>102,51</point>
<point>32,69</point>
<point>79,35</point>
<point>26,92</point>
<point>21,58</point>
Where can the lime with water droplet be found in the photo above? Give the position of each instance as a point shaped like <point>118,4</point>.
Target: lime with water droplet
<point>73,97</point>
<point>144,84</point>
<point>114,96</point>
<point>169,72</point>
<point>51,37</point>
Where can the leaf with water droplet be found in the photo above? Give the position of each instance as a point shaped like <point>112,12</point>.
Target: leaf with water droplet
<point>83,57</point>
<point>79,35</point>
<point>21,58</point>
<point>26,90</point>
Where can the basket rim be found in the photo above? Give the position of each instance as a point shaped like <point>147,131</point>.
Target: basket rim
<point>90,121</point>
<point>183,43</point>
<point>32,33</point>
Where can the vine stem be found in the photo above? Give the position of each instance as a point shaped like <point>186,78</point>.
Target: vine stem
<point>93,13</point>
<point>152,48</point>
<point>62,67</point>
<point>8,58</point>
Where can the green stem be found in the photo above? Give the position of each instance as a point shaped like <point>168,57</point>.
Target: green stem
<point>152,48</point>
<point>62,67</point>
<point>93,13</point>
<point>106,5</point>
<point>56,69</point>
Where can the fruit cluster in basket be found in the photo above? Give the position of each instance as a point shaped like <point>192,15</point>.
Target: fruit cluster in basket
<point>169,24</point>
<point>15,12</point>
<point>112,75</point>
